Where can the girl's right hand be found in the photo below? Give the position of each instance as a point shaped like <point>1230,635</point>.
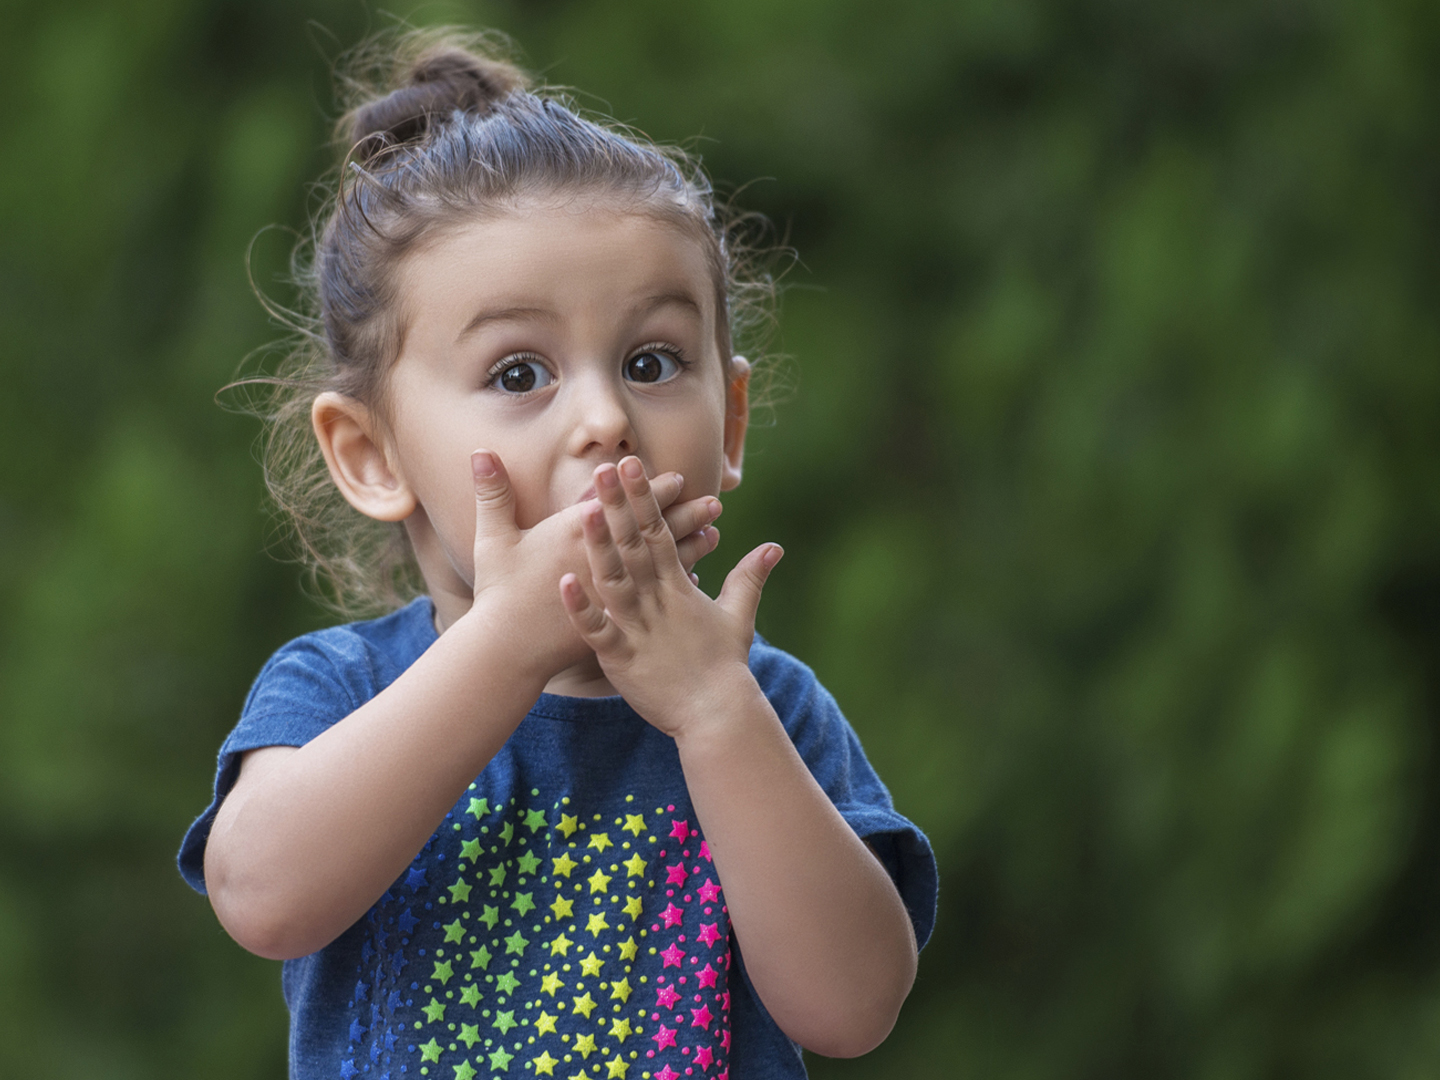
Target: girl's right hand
<point>515,569</point>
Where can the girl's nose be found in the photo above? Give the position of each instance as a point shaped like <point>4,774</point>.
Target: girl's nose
<point>601,422</point>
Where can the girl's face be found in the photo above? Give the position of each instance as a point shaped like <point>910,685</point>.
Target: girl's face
<point>558,338</point>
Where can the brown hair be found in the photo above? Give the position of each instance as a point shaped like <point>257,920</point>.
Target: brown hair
<point>441,128</point>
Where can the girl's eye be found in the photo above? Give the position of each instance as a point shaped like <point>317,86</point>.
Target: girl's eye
<point>523,377</point>
<point>651,366</point>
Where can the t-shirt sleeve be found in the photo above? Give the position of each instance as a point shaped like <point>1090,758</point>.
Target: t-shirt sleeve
<point>832,750</point>
<point>297,695</point>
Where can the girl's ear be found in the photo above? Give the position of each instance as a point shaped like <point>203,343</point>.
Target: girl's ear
<point>359,463</point>
<point>737,419</point>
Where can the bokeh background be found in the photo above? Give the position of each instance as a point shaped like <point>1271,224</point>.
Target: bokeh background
<point>1110,486</point>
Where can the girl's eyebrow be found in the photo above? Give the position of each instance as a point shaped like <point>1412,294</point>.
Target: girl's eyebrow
<point>659,300</point>
<point>509,314</point>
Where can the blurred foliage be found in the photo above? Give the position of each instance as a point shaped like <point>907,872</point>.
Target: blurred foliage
<point>1111,491</point>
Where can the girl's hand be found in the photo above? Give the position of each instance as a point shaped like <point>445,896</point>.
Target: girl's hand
<point>664,645</point>
<point>515,567</point>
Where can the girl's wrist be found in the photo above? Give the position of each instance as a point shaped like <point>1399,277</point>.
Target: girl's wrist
<point>723,709</point>
<point>492,628</point>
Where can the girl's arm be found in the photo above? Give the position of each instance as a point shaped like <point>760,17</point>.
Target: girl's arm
<point>308,838</point>
<point>827,941</point>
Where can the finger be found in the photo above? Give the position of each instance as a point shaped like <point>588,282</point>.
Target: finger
<point>695,579</point>
<point>696,546</point>
<point>667,487</point>
<point>591,622</point>
<point>740,595</point>
<point>691,516</point>
<point>608,572</point>
<point>653,530</point>
<point>494,497</point>
<point>632,544</point>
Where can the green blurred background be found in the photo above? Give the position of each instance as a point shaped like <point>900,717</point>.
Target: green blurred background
<point>1111,491</point>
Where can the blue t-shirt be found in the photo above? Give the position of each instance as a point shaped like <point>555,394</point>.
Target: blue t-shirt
<point>566,918</point>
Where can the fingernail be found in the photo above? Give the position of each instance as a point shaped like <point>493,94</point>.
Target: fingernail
<point>713,508</point>
<point>632,468</point>
<point>772,556</point>
<point>605,476</point>
<point>712,536</point>
<point>482,463</point>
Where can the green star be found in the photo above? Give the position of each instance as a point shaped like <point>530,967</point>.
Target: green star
<point>470,849</point>
<point>529,863</point>
<point>459,892</point>
<point>434,1012</point>
<point>508,832</point>
<point>500,1060</point>
<point>490,916</point>
<point>515,943</point>
<point>523,902</point>
<point>430,1051</point>
<point>443,972</point>
<point>455,932</point>
<point>505,1021</point>
<point>535,820</point>
<point>507,983</point>
<point>480,958</point>
<point>469,1035</point>
<point>465,1071</point>
<point>497,875</point>
<point>479,807</point>
<point>470,995</point>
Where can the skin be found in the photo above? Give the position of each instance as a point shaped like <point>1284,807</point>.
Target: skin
<point>541,537</point>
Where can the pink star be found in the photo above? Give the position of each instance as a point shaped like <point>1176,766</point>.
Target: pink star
<point>725,1001</point>
<point>706,976</point>
<point>725,1038</point>
<point>705,850</point>
<point>708,933</point>
<point>673,955</point>
<point>704,1058</point>
<point>667,1073</point>
<point>723,1074</point>
<point>672,915</point>
<point>676,875</point>
<point>709,892</point>
<point>664,1037</point>
<point>679,830</point>
<point>666,997</point>
<point>702,1017</point>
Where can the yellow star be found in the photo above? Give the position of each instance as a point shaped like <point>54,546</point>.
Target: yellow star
<point>592,964</point>
<point>634,866</point>
<point>616,1067</point>
<point>564,864</point>
<point>585,1046</point>
<point>633,907</point>
<point>596,923</point>
<point>550,983</point>
<point>600,841</point>
<point>568,824</point>
<point>545,1022</point>
<point>628,949</point>
<point>620,989</point>
<point>599,882</point>
<point>619,1029</point>
<point>563,909</point>
<point>561,945</point>
<point>581,1075</point>
<point>583,1005</point>
<point>545,1063</point>
<point>635,823</point>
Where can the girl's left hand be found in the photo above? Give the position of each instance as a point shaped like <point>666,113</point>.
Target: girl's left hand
<point>664,645</point>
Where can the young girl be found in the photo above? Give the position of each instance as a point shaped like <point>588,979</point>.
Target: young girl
<point>527,824</point>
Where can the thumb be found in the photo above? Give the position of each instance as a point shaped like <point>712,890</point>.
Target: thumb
<point>740,595</point>
<point>494,498</point>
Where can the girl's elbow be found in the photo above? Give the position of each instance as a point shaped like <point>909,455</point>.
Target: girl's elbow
<point>854,1028</point>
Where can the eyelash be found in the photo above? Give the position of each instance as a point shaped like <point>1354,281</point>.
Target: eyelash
<point>675,352</point>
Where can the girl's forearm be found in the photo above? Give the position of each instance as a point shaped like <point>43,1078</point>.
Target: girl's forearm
<point>826,939</point>
<point>309,838</point>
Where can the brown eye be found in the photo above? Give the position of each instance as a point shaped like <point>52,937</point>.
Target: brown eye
<point>651,367</point>
<point>523,377</point>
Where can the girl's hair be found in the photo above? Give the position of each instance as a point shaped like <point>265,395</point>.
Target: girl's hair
<point>441,129</point>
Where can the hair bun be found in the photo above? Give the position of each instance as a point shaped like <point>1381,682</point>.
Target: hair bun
<point>438,82</point>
